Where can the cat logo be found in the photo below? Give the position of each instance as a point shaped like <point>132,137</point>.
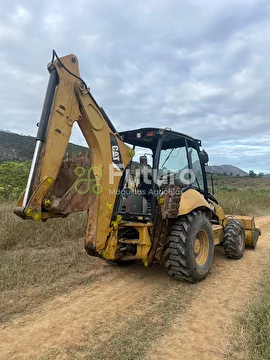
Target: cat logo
<point>115,153</point>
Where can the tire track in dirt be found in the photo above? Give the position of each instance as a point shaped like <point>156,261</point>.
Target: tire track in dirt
<point>202,333</point>
<point>87,317</point>
<point>63,321</point>
<point>129,306</point>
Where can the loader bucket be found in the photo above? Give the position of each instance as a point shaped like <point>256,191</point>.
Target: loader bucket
<point>252,233</point>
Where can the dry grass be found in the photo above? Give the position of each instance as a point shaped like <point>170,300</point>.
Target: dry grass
<point>245,201</point>
<point>253,327</point>
<point>19,233</point>
<point>39,260</point>
<point>247,196</point>
<point>242,182</point>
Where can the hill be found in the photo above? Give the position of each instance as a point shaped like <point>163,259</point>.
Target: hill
<point>226,169</point>
<point>19,147</point>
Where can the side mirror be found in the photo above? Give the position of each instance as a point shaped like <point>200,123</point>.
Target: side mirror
<point>203,156</point>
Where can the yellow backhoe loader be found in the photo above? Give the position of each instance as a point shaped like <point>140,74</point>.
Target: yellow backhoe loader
<point>145,190</point>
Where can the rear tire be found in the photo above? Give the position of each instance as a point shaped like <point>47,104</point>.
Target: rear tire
<point>234,240</point>
<point>190,247</point>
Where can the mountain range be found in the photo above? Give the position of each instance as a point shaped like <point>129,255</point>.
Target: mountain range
<point>226,169</point>
<point>15,147</point>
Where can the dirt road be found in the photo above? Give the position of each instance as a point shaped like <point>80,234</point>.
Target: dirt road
<point>138,313</point>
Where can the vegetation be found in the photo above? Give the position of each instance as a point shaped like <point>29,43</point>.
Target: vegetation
<point>21,148</point>
<point>249,195</point>
<point>41,260</point>
<point>13,178</point>
<point>256,323</point>
<point>244,201</point>
<point>253,327</point>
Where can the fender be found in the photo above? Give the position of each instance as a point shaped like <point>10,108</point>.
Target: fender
<point>191,200</point>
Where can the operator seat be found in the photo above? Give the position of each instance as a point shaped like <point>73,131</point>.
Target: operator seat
<point>145,189</point>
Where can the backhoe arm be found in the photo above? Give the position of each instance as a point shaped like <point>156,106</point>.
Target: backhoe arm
<point>57,186</point>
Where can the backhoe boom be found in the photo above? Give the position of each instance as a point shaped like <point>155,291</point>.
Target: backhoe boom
<point>57,186</point>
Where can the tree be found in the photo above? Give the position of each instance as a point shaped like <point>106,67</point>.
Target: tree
<point>261,174</point>
<point>13,177</point>
<point>252,174</point>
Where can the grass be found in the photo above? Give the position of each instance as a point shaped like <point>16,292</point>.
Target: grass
<point>19,233</point>
<point>42,260</point>
<point>39,260</point>
<point>247,196</point>
<point>253,328</point>
<point>242,182</point>
<point>256,324</point>
<point>245,201</point>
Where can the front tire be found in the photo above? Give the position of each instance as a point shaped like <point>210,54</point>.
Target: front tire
<point>234,239</point>
<point>190,247</point>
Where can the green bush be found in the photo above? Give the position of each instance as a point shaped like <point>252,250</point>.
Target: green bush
<point>13,178</point>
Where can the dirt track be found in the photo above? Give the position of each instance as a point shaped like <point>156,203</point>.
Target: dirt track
<point>137,313</point>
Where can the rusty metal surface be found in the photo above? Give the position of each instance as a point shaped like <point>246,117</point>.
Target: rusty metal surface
<point>160,230</point>
<point>161,242</point>
<point>171,196</point>
<point>67,196</point>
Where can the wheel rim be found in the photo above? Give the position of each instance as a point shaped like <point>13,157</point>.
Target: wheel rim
<point>240,241</point>
<point>201,247</point>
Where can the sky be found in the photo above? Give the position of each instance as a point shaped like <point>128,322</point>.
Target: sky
<point>199,67</point>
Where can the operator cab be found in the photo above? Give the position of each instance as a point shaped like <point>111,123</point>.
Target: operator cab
<point>163,158</point>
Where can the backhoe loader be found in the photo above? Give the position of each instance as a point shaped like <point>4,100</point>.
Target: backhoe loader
<point>156,212</point>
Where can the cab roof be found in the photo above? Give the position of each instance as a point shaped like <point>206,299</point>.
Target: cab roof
<point>149,137</point>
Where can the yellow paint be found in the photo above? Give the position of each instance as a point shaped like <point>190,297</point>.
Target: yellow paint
<point>47,203</point>
<point>49,180</point>
<point>143,244</point>
<point>197,246</point>
<point>191,200</point>
<point>249,225</point>
<point>96,117</point>
<point>29,212</point>
<point>36,216</point>
<point>115,223</point>
<point>131,152</point>
<point>218,234</point>
<point>219,212</point>
<point>201,248</point>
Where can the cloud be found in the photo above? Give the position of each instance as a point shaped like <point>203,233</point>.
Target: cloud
<point>200,68</point>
